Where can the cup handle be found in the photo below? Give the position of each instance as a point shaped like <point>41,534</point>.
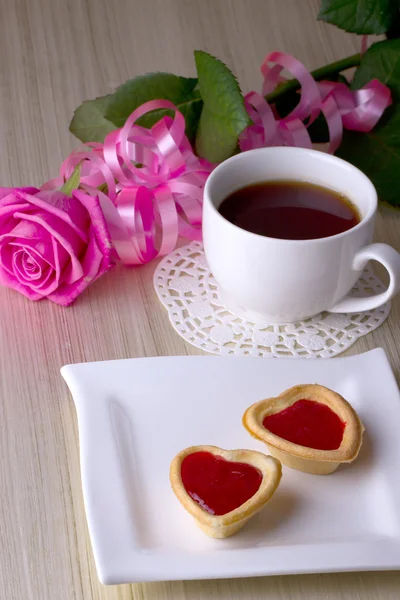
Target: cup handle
<point>390,259</point>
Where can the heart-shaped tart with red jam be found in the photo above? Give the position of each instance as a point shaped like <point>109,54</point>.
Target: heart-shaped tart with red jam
<point>308,427</point>
<point>223,489</point>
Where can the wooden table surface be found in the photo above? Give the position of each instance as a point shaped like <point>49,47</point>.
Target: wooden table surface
<point>53,55</point>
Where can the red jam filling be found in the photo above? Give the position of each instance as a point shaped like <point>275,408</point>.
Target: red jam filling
<point>307,423</point>
<point>216,484</point>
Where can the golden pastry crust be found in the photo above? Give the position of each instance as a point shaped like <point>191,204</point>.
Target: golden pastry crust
<point>309,460</point>
<point>222,526</point>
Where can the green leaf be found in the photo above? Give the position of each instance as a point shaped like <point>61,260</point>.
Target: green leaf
<point>394,29</point>
<point>359,16</point>
<point>377,153</point>
<point>72,182</point>
<point>155,86</point>
<point>224,116</point>
<point>381,61</point>
<point>89,123</point>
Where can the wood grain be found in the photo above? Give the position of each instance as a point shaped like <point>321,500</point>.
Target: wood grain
<point>53,55</point>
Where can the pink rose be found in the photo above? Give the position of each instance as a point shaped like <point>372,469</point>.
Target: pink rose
<point>51,245</point>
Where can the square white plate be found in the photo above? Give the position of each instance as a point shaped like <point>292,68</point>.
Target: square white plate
<point>135,415</point>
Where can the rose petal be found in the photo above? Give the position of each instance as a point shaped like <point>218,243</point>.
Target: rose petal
<point>43,283</point>
<point>42,248</point>
<point>37,279</point>
<point>27,267</point>
<point>7,220</point>
<point>26,235</point>
<point>51,283</point>
<point>24,230</point>
<point>41,276</point>
<point>67,209</point>
<point>6,191</point>
<point>97,258</point>
<point>52,245</point>
<point>28,239</point>
<point>11,201</point>
<point>98,224</point>
<point>10,204</point>
<point>6,258</point>
<point>10,281</point>
<point>93,265</point>
<point>67,238</point>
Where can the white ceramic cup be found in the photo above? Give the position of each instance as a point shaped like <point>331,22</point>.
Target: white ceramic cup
<point>289,280</point>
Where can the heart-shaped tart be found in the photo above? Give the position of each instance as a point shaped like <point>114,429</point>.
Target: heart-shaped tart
<point>308,427</point>
<point>223,489</point>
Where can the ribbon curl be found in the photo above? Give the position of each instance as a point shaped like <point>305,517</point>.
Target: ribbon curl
<point>153,182</point>
<point>150,183</point>
<point>358,110</point>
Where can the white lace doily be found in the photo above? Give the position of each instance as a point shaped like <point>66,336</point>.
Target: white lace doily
<point>189,292</point>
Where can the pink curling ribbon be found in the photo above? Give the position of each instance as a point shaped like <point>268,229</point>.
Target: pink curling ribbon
<point>150,183</point>
<point>358,110</point>
<point>154,184</point>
